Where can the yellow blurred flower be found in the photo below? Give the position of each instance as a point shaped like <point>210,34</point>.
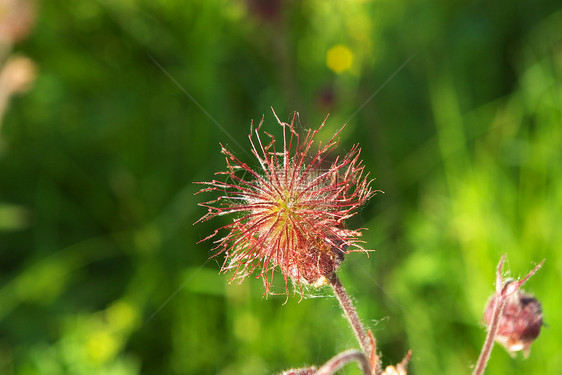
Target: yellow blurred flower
<point>339,58</point>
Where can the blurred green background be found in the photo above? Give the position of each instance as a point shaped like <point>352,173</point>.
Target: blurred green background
<point>456,104</point>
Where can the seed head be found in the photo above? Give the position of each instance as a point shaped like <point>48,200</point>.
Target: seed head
<point>290,211</point>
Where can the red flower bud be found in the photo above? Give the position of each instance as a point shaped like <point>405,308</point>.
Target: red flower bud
<point>520,322</point>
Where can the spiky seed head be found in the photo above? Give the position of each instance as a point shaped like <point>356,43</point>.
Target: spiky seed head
<point>290,211</point>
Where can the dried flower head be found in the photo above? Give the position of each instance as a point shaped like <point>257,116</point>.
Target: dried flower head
<point>520,321</point>
<point>291,211</point>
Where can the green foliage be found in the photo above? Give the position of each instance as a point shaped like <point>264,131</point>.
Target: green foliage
<point>100,270</point>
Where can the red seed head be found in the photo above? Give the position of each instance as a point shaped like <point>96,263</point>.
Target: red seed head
<point>290,211</point>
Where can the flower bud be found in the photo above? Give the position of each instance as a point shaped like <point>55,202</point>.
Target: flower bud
<point>520,322</point>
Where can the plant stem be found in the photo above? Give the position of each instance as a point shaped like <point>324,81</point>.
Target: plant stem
<point>366,342</point>
<point>499,303</point>
<point>343,359</point>
<point>490,336</point>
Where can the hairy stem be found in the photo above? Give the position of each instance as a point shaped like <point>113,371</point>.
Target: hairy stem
<point>343,359</point>
<point>366,342</point>
<point>494,323</point>
<point>490,337</point>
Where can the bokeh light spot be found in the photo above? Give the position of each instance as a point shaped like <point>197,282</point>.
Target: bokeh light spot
<point>339,58</point>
